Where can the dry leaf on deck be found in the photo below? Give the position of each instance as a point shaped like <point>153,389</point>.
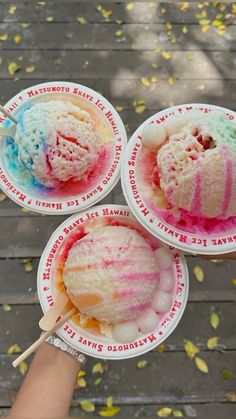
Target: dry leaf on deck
<point>4,37</point>
<point>199,273</point>
<point>142,363</point>
<point>226,374</point>
<point>6,307</point>
<point>23,367</point>
<point>164,412</point>
<point>13,68</point>
<point>109,412</point>
<point>212,342</point>
<point>2,197</point>
<point>14,349</point>
<point>201,365</point>
<point>214,320</point>
<point>98,368</point>
<point>190,349</point>
<point>231,396</point>
<point>87,406</point>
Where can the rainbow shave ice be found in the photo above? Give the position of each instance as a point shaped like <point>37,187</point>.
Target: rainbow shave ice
<point>56,141</point>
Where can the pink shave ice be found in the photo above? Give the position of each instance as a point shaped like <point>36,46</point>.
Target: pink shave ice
<point>197,164</point>
<point>112,274</point>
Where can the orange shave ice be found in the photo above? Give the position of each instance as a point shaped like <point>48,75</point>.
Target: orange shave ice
<point>113,275</point>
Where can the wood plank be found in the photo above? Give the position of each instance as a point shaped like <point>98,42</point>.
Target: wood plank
<point>140,37</point>
<point>210,65</point>
<point>217,282</point>
<point>192,386</point>
<point>122,92</point>
<point>216,410</point>
<point>31,234</point>
<point>153,12</point>
<point>194,325</point>
<point>210,410</point>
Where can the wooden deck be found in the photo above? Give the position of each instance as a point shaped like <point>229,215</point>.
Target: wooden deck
<point>117,54</point>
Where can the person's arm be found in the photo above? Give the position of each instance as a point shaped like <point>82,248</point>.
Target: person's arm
<point>48,386</point>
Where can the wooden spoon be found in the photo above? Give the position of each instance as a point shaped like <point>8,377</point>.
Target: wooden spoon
<point>49,319</point>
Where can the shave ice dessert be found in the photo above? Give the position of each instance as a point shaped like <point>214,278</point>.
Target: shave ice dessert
<point>119,281</point>
<point>189,162</point>
<point>58,147</point>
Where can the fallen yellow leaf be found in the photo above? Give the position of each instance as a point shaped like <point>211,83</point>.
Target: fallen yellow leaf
<point>87,406</point>
<point>204,22</point>
<point>177,413</point>
<point>13,349</point>
<point>166,55</point>
<point>205,28</point>
<point>23,367</point>
<point>13,68</point>
<point>119,32</point>
<point>49,19</point>
<point>183,7</point>
<point>2,197</point>
<point>106,14</point>
<point>164,412</point>
<point>98,368</point>
<point>17,39</point>
<point>28,265</point>
<point>81,382</point>
<point>199,274</point>
<point>153,79</point>
<point>130,6</point>
<point>214,320</point>
<point>25,25</point>
<point>81,20</point>
<point>190,349</point>
<point>212,342</point>
<point>6,307</point>
<point>201,365</point>
<point>162,348</point>
<point>12,10</point>
<point>98,381</point>
<point>171,80</point>
<point>200,86</point>
<point>226,374</point>
<point>119,108</point>
<point>169,26</point>
<point>109,412</point>
<point>142,363</point>
<point>233,281</point>
<point>140,108</point>
<point>109,401</point>
<point>190,57</point>
<point>217,22</point>
<point>145,81</point>
<point>4,37</point>
<point>185,29</point>
<point>30,69</point>
<point>81,374</point>
<point>231,396</point>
